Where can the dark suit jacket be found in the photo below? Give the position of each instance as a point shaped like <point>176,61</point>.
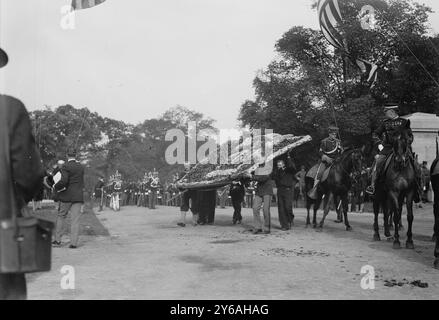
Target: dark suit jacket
<point>72,178</point>
<point>17,146</point>
<point>285,178</point>
<point>264,186</point>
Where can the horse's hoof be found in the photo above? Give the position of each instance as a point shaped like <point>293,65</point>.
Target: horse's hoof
<point>396,245</point>
<point>409,245</point>
<point>387,234</point>
<point>376,237</point>
<point>348,228</point>
<point>338,221</point>
<point>436,264</point>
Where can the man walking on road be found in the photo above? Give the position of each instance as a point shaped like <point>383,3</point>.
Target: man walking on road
<point>99,193</point>
<point>71,200</point>
<point>264,193</point>
<point>285,180</point>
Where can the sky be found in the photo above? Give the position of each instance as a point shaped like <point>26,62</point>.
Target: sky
<point>132,60</point>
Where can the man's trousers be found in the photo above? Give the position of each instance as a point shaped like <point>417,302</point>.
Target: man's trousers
<point>12,286</point>
<point>258,202</point>
<point>285,206</point>
<point>75,213</point>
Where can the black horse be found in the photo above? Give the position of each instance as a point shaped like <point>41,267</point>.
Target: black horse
<point>435,184</point>
<point>336,186</point>
<point>400,185</point>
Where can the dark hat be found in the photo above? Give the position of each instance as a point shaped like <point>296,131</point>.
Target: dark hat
<point>3,58</point>
<point>333,129</point>
<point>71,152</point>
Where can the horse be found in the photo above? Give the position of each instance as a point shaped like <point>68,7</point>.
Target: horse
<point>435,184</point>
<point>336,186</point>
<point>400,184</point>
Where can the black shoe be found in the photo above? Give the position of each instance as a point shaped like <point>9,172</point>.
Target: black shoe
<point>181,225</point>
<point>56,243</point>
<point>234,221</point>
<point>257,231</point>
<point>73,247</point>
<point>239,221</point>
<point>285,229</point>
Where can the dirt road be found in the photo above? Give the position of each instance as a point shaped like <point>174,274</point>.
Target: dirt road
<point>147,256</point>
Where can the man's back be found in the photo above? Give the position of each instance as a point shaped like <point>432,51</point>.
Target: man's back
<point>73,181</point>
<point>24,168</point>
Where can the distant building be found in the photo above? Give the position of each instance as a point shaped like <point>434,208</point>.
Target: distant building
<point>425,127</point>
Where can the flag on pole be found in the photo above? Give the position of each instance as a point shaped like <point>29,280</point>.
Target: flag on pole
<point>330,18</point>
<point>85,4</point>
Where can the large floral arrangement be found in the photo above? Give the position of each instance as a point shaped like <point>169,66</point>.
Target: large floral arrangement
<point>242,162</point>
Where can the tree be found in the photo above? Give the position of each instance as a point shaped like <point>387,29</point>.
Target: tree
<point>107,145</point>
<point>311,85</point>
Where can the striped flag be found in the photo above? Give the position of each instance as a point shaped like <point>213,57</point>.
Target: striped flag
<point>330,18</point>
<point>85,4</point>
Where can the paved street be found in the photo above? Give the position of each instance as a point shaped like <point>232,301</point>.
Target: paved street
<point>147,257</point>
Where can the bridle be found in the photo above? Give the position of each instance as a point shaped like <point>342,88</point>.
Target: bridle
<point>355,172</point>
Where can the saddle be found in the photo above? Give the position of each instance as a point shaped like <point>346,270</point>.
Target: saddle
<point>381,173</point>
<point>323,174</point>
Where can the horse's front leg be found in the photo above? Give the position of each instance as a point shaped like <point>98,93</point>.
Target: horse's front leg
<point>328,198</point>
<point>345,207</point>
<point>396,218</point>
<point>386,205</point>
<point>376,228</point>
<point>338,209</point>
<point>409,243</point>
<point>308,207</point>
<point>316,208</point>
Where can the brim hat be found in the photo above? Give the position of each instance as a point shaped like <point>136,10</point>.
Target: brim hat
<point>391,106</point>
<point>3,58</point>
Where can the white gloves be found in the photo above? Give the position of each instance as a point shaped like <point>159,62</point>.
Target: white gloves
<point>381,147</point>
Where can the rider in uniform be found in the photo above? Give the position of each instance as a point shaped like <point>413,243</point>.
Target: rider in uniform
<point>383,138</point>
<point>330,148</point>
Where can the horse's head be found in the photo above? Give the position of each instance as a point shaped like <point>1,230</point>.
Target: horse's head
<point>353,160</point>
<point>357,158</point>
<point>401,145</point>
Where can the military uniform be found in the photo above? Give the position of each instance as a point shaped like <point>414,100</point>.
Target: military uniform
<point>383,136</point>
<point>330,149</point>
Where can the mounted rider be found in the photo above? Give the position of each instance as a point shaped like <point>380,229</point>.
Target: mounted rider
<point>383,138</point>
<point>330,149</point>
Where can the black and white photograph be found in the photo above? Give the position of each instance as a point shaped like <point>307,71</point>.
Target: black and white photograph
<point>219,155</point>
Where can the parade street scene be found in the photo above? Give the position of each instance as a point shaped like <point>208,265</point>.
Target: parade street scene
<point>219,150</point>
